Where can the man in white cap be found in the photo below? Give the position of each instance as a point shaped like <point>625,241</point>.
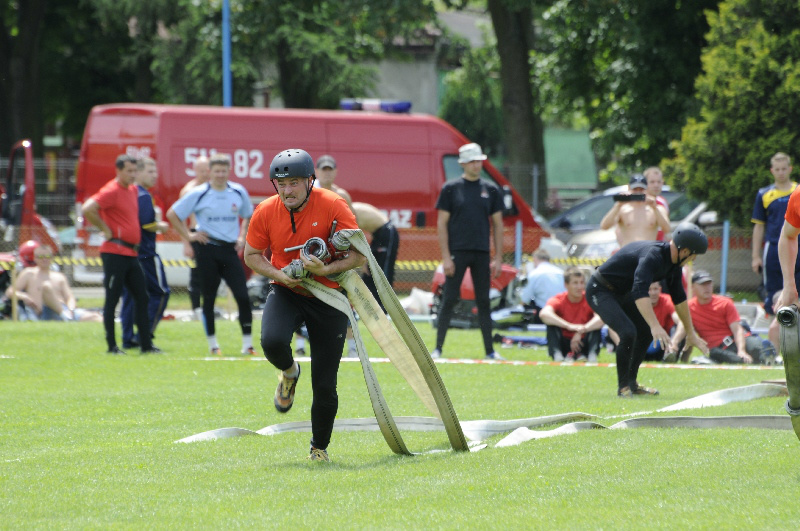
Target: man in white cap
<point>465,207</point>
<point>636,215</point>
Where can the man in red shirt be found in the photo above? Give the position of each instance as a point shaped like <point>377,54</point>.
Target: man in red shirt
<point>718,323</point>
<point>114,209</point>
<point>282,223</point>
<point>667,318</point>
<point>572,325</point>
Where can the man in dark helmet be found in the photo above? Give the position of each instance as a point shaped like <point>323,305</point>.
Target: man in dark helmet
<point>618,292</point>
<point>283,223</point>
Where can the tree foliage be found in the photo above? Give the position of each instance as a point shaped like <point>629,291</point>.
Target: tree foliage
<point>750,96</point>
<point>472,101</point>
<point>317,48</point>
<point>625,66</point>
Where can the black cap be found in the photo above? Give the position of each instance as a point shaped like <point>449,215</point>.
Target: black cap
<point>326,161</point>
<point>701,277</point>
<point>637,181</point>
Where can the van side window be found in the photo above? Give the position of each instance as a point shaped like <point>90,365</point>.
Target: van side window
<point>452,170</point>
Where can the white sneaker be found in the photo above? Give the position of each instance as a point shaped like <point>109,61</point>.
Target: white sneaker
<point>558,357</point>
<point>592,357</point>
<point>495,356</point>
<point>436,354</point>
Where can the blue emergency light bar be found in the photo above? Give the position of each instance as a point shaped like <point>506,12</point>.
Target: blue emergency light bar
<point>374,104</point>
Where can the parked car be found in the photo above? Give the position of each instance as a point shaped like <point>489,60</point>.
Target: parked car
<point>599,243</point>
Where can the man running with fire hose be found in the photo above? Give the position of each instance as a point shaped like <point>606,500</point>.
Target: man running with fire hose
<point>297,224</point>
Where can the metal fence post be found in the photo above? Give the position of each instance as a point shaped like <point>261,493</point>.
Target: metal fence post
<point>723,275</point>
<point>518,244</point>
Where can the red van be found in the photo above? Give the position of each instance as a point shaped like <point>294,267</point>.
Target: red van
<point>397,162</point>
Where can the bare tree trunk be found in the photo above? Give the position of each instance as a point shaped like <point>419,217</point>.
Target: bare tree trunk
<point>524,130</point>
<point>20,111</point>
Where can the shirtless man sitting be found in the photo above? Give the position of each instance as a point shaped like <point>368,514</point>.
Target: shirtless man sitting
<point>637,220</point>
<point>46,295</point>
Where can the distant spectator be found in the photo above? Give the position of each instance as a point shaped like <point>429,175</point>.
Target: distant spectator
<point>45,295</point>
<point>636,220</point>
<point>202,172</point>
<point>717,322</point>
<point>655,185</point>
<point>114,209</point>
<point>769,211</point>
<point>154,274</point>
<point>223,211</point>
<point>384,244</point>
<point>667,318</point>
<point>572,326</point>
<point>542,283</point>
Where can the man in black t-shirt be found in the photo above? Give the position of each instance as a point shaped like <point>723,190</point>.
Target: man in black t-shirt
<point>619,292</point>
<point>465,207</point>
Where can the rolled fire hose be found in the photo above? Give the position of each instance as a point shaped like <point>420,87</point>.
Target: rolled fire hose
<point>789,319</point>
<point>407,351</point>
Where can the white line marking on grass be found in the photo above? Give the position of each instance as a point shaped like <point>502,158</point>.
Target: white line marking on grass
<point>469,361</point>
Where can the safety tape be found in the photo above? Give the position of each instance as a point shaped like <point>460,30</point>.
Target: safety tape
<point>579,261</point>
<point>520,429</point>
<point>400,265</point>
<point>98,262</point>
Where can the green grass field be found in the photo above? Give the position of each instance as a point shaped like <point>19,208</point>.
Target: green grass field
<point>87,441</point>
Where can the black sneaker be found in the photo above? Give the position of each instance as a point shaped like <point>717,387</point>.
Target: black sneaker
<point>152,350</point>
<point>131,344</point>
<point>116,351</point>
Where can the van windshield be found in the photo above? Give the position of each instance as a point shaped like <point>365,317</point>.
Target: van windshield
<point>452,169</point>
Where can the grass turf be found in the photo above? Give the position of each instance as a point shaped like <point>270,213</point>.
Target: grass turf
<point>87,441</point>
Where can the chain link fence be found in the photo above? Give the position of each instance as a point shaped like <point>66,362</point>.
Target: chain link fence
<point>418,254</point>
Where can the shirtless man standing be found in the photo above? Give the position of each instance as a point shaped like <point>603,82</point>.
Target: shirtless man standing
<point>202,173</point>
<point>385,242</point>
<point>46,294</point>
<point>636,220</point>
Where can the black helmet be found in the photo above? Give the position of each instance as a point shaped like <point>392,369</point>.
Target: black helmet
<point>689,236</point>
<point>292,163</point>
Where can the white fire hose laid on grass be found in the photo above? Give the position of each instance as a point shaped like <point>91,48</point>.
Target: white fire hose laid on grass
<point>408,353</point>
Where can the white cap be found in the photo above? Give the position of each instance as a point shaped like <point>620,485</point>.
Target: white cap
<point>470,152</point>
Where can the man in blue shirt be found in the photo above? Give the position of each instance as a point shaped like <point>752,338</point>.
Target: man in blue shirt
<point>218,206</point>
<point>545,281</point>
<point>768,215</point>
<point>154,275</point>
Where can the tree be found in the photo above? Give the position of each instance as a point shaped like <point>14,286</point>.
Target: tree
<point>314,48</point>
<point>750,97</point>
<point>20,82</point>
<point>472,100</point>
<point>524,130</point>
<point>628,68</point>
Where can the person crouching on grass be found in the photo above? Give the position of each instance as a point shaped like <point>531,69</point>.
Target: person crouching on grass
<point>572,325</point>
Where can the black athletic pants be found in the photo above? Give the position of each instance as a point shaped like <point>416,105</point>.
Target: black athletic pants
<point>195,286</point>
<point>478,263</point>
<point>621,315</point>
<point>215,263</point>
<point>284,312</point>
<point>385,242</point>
<point>125,271</point>
<point>557,342</point>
